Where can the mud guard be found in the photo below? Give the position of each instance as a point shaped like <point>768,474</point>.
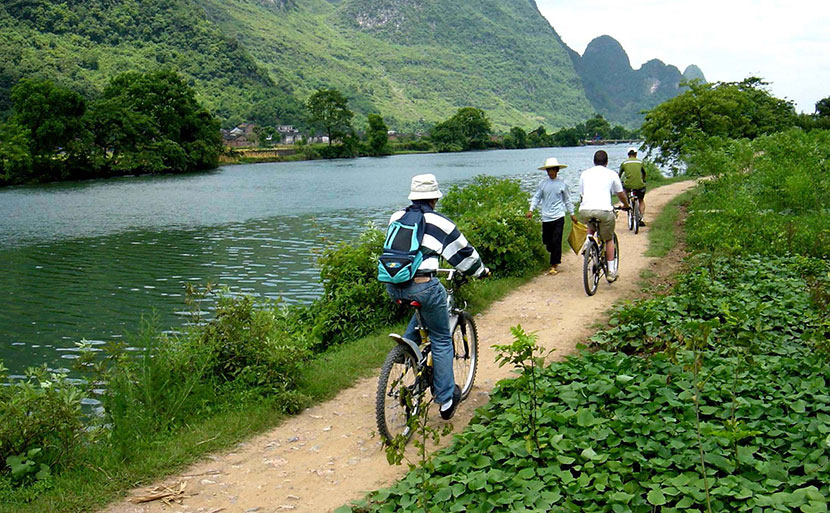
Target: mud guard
<point>408,343</point>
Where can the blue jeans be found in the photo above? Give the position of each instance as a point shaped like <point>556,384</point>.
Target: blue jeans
<point>433,299</point>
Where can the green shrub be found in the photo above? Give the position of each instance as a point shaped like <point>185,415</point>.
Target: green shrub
<point>41,425</point>
<point>354,302</point>
<point>151,391</point>
<point>413,145</point>
<point>250,347</point>
<point>490,212</point>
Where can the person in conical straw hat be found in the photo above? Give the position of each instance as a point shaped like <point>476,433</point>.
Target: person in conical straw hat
<point>553,200</point>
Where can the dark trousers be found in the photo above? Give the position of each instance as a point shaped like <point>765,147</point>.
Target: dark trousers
<point>552,239</point>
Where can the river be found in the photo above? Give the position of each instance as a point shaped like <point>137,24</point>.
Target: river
<point>87,260</point>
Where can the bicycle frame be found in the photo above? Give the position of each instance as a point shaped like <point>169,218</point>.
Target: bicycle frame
<point>454,314</point>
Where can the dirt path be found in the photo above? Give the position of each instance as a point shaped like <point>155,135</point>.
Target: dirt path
<point>329,455</point>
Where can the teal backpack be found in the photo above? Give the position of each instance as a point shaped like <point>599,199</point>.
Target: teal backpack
<point>402,255</point>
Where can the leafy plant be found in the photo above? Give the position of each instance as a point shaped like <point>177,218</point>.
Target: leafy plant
<point>41,424</point>
<point>526,356</point>
<point>25,467</point>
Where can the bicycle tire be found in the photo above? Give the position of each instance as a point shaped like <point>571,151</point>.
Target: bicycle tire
<point>396,401</point>
<point>616,256</point>
<point>465,353</point>
<point>635,214</point>
<point>591,268</point>
<point>631,218</point>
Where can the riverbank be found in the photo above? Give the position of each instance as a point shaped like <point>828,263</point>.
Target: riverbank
<point>330,448</point>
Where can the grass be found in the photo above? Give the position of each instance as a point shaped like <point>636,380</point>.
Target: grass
<point>665,231</point>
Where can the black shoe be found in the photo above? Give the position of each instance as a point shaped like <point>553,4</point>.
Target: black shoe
<point>456,399</point>
<point>642,223</point>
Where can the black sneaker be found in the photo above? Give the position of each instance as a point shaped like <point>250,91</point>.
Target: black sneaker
<point>642,223</point>
<point>456,399</point>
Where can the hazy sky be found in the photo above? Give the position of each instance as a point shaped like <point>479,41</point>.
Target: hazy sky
<point>787,43</point>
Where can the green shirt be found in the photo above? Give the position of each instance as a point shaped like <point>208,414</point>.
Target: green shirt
<point>633,174</point>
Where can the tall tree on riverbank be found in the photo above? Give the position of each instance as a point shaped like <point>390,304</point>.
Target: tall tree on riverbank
<point>157,123</point>
<point>732,110</point>
<point>51,120</point>
<point>329,110</point>
<point>377,136</point>
<point>468,129</point>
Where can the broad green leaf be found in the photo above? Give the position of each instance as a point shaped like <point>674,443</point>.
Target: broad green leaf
<point>622,497</point>
<point>814,507</point>
<point>656,497</point>
<point>589,454</point>
<point>443,494</point>
<point>585,418</point>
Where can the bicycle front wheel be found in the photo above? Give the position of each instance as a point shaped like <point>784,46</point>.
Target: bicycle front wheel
<point>465,353</point>
<point>591,268</point>
<point>398,399</point>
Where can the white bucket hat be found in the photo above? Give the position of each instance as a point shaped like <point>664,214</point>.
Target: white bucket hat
<point>424,187</point>
<point>632,150</point>
<point>552,162</point>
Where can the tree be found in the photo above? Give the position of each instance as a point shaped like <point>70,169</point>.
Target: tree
<point>377,135</point>
<point>468,129</point>
<point>823,108</point>
<point>539,138</point>
<point>567,137</point>
<point>516,139</point>
<point>329,110</point>
<point>151,122</point>
<point>15,154</point>
<point>731,110</point>
<point>52,117</point>
<point>597,127</point>
<point>446,136</point>
<point>475,127</point>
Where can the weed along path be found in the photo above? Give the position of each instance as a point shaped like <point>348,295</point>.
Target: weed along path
<point>328,455</point>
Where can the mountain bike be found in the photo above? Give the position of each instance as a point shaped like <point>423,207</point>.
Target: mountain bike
<point>633,212</point>
<point>595,263</point>
<point>407,372</point>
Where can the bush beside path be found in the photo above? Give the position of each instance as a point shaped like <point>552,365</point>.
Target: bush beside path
<point>329,454</point>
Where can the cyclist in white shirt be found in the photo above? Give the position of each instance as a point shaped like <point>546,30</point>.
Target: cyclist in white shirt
<point>596,185</point>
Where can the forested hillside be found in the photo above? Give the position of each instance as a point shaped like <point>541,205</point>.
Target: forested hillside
<point>84,44</point>
<point>414,62</point>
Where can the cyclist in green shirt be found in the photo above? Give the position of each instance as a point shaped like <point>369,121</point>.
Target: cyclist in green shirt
<point>633,176</point>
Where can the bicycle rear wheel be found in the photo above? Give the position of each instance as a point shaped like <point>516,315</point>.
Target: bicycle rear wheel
<point>465,353</point>
<point>616,256</point>
<point>631,218</point>
<point>634,214</point>
<point>591,269</point>
<point>397,398</point>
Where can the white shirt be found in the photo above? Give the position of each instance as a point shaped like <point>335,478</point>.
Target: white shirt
<point>596,185</point>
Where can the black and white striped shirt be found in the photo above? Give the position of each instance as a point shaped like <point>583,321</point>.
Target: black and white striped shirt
<point>441,237</point>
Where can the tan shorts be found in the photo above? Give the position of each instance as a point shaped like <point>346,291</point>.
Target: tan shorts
<point>607,220</point>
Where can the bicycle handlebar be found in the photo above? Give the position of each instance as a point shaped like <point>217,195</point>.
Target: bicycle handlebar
<point>454,274</point>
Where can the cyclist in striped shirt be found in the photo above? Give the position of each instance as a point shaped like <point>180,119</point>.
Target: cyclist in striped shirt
<point>441,238</point>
